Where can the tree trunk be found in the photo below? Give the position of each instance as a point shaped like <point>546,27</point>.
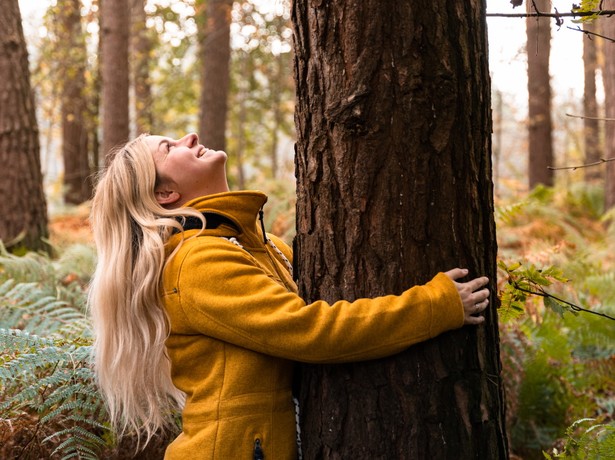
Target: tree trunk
<point>394,184</point>
<point>243,93</point>
<point>23,222</point>
<point>591,134</point>
<point>114,16</point>
<point>539,95</point>
<point>277,84</point>
<point>215,50</point>
<point>141,50</point>
<point>94,107</point>
<point>608,30</point>
<point>77,173</point>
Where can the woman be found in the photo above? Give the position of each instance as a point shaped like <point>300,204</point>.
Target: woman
<point>194,307</point>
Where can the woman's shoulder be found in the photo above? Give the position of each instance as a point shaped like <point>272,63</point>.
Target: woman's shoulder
<point>203,248</point>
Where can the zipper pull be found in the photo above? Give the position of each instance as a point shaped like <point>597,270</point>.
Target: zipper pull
<point>261,216</point>
<point>258,450</point>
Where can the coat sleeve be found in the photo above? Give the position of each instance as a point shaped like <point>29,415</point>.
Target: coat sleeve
<point>224,294</point>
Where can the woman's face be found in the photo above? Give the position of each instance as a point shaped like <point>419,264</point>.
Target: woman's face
<point>186,170</point>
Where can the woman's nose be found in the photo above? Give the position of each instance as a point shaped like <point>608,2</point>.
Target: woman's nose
<point>189,140</point>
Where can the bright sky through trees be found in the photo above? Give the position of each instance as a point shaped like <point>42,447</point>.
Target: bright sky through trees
<point>508,62</point>
<point>506,45</point>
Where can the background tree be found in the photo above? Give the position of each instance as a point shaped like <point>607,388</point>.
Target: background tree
<point>539,93</point>
<point>261,93</point>
<point>115,31</point>
<point>174,70</point>
<point>591,133</point>
<point>24,209</point>
<point>608,30</point>
<point>141,50</point>
<point>394,185</point>
<point>215,54</point>
<point>73,56</point>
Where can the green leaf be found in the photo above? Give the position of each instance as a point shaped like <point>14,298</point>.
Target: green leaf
<point>554,305</point>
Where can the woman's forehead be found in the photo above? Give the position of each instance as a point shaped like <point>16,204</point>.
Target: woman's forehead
<point>154,141</point>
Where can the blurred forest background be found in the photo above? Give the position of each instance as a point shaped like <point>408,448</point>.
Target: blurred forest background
<point>224,69</point>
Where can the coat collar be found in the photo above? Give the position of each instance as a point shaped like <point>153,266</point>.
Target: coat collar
<point>240,207</point>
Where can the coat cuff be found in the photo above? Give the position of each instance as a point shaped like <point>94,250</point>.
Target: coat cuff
<point>447,309</point>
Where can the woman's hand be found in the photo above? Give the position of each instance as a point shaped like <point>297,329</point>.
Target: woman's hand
<point>473,298</point>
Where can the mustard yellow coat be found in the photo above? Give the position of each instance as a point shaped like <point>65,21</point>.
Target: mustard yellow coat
<point>237,325</point>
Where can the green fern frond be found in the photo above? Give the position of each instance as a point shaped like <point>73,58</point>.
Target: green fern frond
<point>32,267</point>
<point>506,214</point>
<point>66,391</point>
<point>33,308</point>
<point>602,286</point>
<point>88,421</point>
<point>597,441</point>
<point>53,378</point>
<point>78,260</point>
<point>80,442</point>
<point>72,406</point>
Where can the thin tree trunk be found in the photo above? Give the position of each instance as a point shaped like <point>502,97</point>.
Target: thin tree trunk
<point>215,51</point>
<point>590,105</point>
<point>23,208</point>
<point>539,94</point>
<point>77,183</point>
<point>277,83</point>
<point>394,184</point>
<point>608,30</point>
<point>94,107</point>
<point>242,95</point>
<point>114,16</point>
<point>140,57</point>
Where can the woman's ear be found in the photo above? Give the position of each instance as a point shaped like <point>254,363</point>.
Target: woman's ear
<point>166,197</point>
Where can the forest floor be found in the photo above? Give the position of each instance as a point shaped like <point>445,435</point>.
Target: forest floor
<point>70,227</point>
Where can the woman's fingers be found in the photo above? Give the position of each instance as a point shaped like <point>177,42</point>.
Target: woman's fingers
<point>474,297</point>
<point>456,273</point>
<point>477,283</point>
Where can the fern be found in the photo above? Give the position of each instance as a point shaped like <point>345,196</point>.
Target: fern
<point>597,441</point>
<point>42,295</point>
<point>52,378</point>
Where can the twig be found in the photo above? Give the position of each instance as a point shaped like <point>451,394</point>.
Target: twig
<point>552,15</point>
<point>590,118</point>
<point>596,163</point>
<point>542,293</point>
<point>589,33</point>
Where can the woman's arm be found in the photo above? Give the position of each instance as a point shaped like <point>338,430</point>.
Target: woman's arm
<point>223,293</point>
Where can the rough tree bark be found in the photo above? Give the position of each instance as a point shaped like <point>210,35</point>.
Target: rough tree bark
<point>394,184</point>
<point>23,210</point>
<point>215,51</point>
<point>77,173</point>
<point>115,30</point>
<point>539,95</point>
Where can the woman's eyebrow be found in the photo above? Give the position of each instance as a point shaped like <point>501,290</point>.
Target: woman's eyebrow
<point>163,141</point>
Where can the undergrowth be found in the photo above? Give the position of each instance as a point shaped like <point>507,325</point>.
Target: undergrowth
<point>557,288</point>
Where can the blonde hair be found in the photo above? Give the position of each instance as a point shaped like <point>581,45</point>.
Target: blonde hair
<point>130,324</point>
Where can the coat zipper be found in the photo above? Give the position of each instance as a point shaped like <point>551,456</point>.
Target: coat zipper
<point>258,450</point>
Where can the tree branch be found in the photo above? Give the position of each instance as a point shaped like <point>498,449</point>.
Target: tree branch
<point>590,118</point>
<point>542,293</point>
<point>590,34</point>
<point>595,163</point>
<point>556,15</point>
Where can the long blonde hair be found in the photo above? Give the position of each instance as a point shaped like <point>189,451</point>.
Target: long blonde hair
<point>130,324</point>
